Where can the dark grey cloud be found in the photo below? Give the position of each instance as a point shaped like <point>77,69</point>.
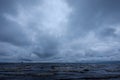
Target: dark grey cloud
<point>59,30</point>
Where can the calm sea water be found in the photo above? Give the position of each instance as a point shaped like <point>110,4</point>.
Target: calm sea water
<point>60,71</point>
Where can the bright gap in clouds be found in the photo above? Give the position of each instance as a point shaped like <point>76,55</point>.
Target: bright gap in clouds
<point>49,32</point>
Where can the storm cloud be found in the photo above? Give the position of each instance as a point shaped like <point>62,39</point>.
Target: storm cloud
<point>59,30</point>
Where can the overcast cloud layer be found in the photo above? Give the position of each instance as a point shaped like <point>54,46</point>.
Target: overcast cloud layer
<point>59,30</point>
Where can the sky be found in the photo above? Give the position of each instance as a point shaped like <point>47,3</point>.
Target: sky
<point>59,30</point>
